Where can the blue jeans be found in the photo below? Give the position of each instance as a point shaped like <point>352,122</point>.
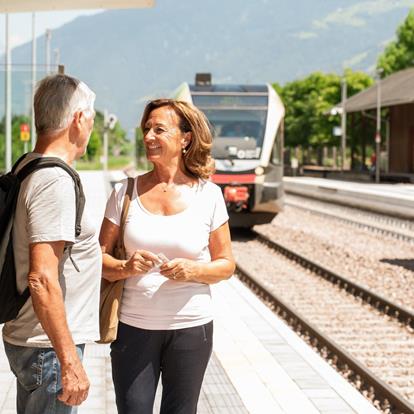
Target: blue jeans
<point>140,357</point>
<point>38,375</point>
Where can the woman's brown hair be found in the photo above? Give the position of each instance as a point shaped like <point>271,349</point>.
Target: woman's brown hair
<point>197,157</point>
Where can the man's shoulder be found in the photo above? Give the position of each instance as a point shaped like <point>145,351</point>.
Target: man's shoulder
<point>53,178</point>
<point>53,183</point>
<point>41,175</point>
<point>50,174</point>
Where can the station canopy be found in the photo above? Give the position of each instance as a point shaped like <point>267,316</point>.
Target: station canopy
<point>396,89</point>
<point>19,6</point>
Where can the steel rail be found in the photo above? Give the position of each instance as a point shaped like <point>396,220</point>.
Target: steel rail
<point>387,397</point>
<point>360,224</point>
<point>375,300</point>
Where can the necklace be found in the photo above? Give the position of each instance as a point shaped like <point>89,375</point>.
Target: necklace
<point>173,186</point>
<point>167,187</point>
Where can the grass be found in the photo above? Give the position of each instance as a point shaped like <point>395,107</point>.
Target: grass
<point>114,163</point>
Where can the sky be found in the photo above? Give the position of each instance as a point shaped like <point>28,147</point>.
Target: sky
<point>20,24</point>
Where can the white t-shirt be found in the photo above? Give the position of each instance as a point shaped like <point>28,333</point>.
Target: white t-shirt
<point>152,301</point>
<point>45,212</point>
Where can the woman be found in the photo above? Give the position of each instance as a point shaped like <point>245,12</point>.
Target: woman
<point>178,242</point>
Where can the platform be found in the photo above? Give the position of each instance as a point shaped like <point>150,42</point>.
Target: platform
<point>258,364</point>
<point>393,199</point>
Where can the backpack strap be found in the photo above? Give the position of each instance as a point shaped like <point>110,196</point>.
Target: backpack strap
<point>13,170</point>
<point>49,162</point>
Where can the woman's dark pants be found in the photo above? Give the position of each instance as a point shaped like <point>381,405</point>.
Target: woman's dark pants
<point>140,356</point>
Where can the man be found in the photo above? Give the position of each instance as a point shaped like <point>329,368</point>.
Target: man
<point>45,343</point>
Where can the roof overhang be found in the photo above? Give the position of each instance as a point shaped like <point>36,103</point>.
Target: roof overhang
<point>19,6</point>
<point>396,89</point>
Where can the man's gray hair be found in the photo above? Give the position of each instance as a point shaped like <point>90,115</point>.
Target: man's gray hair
<point>57,99</point>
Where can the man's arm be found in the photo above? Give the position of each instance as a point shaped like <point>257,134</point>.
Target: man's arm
<point>48,305</point>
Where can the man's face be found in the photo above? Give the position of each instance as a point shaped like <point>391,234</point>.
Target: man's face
<point>86,122</point>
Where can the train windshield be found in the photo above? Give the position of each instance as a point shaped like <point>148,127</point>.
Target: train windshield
<point>238,124</point>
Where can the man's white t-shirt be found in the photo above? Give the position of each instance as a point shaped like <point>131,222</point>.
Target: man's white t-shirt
<point>152,301</point>
<point>45,212</point>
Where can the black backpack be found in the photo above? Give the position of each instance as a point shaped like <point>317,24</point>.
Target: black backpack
<point>11,301</point>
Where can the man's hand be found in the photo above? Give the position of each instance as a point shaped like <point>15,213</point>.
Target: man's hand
<point>75,383</point>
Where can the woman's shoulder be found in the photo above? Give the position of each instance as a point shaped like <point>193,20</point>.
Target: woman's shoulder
<point>208,187</point>
<point>120,187</point>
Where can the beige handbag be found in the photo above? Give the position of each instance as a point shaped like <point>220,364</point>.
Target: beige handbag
<point>111,292</point>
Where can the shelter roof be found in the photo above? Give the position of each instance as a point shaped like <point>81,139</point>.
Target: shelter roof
<point>16,6</point>
<point>396,89</point>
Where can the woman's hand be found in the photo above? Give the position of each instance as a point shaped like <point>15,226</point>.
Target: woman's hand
<point>181,270</point>
<point>140,262</point>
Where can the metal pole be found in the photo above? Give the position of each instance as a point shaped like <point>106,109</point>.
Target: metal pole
<point>48,37</point>
<point>378,133</point>
<point>105,139</point>
<point>32,126</point>
<point>8,100</point>
<point>343,123</point>
<point>387,138</point>
<point>57,57</point>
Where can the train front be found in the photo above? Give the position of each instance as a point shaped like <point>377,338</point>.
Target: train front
<point>247,123</point>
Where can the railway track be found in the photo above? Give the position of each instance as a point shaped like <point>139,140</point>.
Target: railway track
<point>377,223</point>
<point>331,342</point>
<point>384,305</point>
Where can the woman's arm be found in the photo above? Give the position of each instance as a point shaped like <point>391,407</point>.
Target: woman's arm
<point>114,269</point>
<point>221,267</point>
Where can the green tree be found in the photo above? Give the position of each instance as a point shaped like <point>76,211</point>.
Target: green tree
<point>399,54</point>
<point>308,101</point>
<point>117,140</point>
<point>94,148</point>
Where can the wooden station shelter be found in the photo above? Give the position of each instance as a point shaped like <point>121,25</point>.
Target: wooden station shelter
<point>397,97</point>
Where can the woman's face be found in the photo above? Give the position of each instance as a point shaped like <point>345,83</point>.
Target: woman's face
<point>163,138</point>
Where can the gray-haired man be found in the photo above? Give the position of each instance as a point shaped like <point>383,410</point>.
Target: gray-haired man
<point>45,343</point>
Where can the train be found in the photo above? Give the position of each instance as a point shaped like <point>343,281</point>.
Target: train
<point>247,125</point>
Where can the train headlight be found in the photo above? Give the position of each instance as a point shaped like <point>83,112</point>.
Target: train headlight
<point>259,170</point>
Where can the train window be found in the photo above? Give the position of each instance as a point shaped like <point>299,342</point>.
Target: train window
<point>277,148</point>
<point>237,133</point>
<point>230,101</point>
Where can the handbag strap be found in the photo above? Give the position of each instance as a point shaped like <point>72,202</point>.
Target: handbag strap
<point>124,214</point>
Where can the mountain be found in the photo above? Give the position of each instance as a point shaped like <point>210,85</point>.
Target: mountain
<point>128,56</point>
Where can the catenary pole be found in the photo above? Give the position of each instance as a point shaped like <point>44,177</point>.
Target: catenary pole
<point>48,38</point>
<point>378,132</point>
<point>105,141</point>
<point>343,123</point>
<point>32,127</point>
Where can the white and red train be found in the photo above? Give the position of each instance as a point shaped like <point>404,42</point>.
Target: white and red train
<point>247,122</point>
